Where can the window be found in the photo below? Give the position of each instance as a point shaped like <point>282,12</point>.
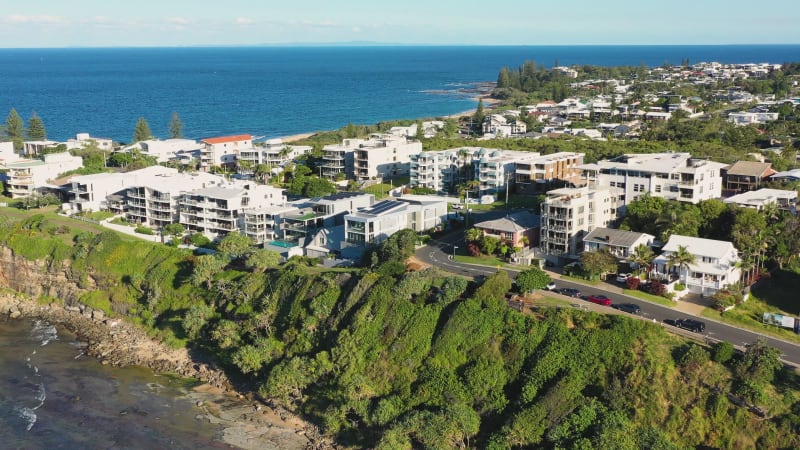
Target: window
<point>658,188</point>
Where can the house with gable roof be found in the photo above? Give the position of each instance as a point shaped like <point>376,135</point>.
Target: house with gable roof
<point>716,264</point>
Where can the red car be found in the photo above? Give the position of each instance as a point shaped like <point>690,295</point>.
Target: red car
<point>600,300</point>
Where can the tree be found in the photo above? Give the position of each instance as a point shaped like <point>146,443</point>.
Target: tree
<point>473,234</point>
<point>477,117</point>
<point>263,259</point>
<point>142,130</point>
<point>532,279</point>
<point>642,256</point>
<point>234,245</point>
<point>15,129</point>
<point>36,131</point>
<point>598,263</point>
<point>317,187</point>
<point>174,229</point>
<point>681,258</point>
<point>205,267</point>
<point>175,126</point>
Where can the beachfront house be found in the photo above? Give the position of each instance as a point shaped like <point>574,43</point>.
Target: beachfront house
<point>620,243</point>
<point>513,229</point>
<point>716,264</point>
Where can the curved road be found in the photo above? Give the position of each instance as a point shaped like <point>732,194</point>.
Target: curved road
<point>439,253</point>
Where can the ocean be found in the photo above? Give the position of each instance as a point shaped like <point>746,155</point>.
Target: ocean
<point>279,91</point>
<point>52,396</point>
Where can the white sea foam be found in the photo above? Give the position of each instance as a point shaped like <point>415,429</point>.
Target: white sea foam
<point>29,415</point>
<point>44,332</point>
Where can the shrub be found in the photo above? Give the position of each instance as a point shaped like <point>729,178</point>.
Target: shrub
<point>633,283</point>
<point>657,288</point>
<point>680,287</point>
<point>473,249</point>
<point>143,230</point>
<point>723,352</point>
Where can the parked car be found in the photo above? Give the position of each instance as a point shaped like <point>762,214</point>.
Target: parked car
<point>687,324</point>
<point>630,308</point>
<point>569,292</point>
<point>550,286</point>
<point>623,277</point>
<point>600,299</point>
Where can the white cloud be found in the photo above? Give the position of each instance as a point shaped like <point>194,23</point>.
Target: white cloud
<point>33,20</point>
<point>357,29</point>
<point>244,21</point>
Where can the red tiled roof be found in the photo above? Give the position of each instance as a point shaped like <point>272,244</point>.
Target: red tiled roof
<point>224,139</point>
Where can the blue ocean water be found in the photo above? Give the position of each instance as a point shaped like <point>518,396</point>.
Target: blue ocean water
<point>278,91</point>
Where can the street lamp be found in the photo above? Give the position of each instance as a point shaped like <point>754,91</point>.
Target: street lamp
<point>454,252</point>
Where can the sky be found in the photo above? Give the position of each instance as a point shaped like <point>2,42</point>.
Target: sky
<point>169,23</point>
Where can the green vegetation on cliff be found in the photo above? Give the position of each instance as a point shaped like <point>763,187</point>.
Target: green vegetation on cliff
<point>390,359</point>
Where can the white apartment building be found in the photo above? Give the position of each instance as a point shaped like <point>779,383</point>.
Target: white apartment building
<point>384,156</point>
<point>339,158</point>
<point>569,214</point>
<point>748,118</point>
<point>715,266</point>
<point>781,198</point>
<point>674,176</point>
<point>380,156</point>
<point>441,171</point>
<point>375,224</point>
<point>263,225</point>
<point>219,151</point>
<point>25,177</point>
<point>154,200</point>
<point>274,152</point>
<point>98,191</point>
<point>495,169</point>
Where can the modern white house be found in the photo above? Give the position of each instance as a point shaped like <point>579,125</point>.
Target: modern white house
<point>97,191</point>
<point>781,198</point>
<point>569,214</point>
<point>219,151</point>
<point>620,243</point>
<point>83,140</point>
<point>715,266</point>
<point>25,177</point>
<point>7,153</point>
<point>37,148</point>
<point>674,176</point>
<point>375,224</point>
<point>316,213</point>
<point>749,118</point>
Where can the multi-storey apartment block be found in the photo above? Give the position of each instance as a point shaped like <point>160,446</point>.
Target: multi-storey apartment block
<point>26,177</point>
<point>382,155</point>
<point>219,151</point>
<point>299,225</point>
<point>273,152</point>
<point>263,225</point>
<point>674,176</point>
<point>91,192</point>
<point>441,171</point>
<point>154,198</point>
<point>569,214</point>
<point>376,223</point>
<point>495,169</point>
<point>743,176</point>
<point>549,171</point>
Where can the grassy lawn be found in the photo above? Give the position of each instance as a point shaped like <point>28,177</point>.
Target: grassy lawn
<point>748,315</point>
<point>650,297</point>
<point>379,190</point>
<point>98,215</point>
<point>580,280</point>
<point>53,219</point>
<point>553,302</point>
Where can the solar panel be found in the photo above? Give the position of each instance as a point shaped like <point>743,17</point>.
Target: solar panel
<point>383,206</point>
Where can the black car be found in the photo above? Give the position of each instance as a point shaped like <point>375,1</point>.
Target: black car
<point>630,308</point>
<point>687,324</point>
<point>569,292</point>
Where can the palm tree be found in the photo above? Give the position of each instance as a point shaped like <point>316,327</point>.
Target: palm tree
<point>682,258</point>
<point>642,256</point>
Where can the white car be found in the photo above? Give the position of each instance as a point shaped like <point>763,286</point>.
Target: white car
<point>550,286</point>
<point>623,277</point>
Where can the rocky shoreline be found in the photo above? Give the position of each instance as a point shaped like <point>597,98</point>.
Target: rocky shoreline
<point>247,423</point>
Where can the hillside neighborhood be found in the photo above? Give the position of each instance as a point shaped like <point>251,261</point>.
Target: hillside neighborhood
<point>233,184</point>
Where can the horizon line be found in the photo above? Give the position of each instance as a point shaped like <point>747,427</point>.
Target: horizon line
<point>389,44</point>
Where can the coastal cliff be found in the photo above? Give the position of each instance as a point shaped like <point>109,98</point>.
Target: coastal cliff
<point>49,290</point>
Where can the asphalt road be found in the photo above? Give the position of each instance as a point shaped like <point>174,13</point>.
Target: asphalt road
<point>440,251</point>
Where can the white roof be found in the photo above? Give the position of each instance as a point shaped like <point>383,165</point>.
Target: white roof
<point>699,246</point>
<point>761,197</point>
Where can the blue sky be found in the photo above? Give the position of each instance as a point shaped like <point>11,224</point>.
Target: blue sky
<point>104,23</point>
